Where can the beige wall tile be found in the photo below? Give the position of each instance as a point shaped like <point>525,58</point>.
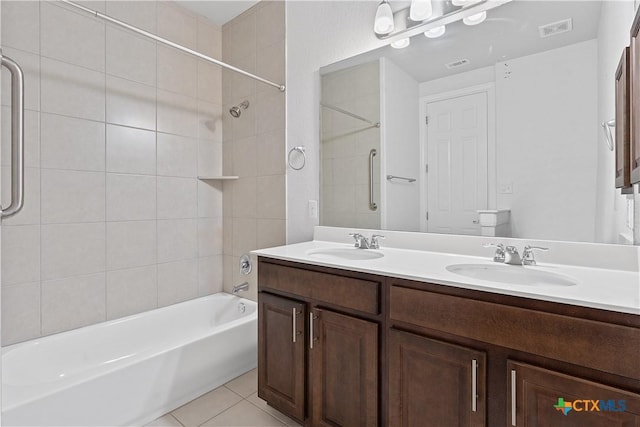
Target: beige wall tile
<point>271,197</point>
<point>20,254</point>
<point>242,35</point>
<point>31,138</point>
<point>271,232</point>
<point>227,271</point>
<point>227,197</point>
<point>270,23</point>
<point>61,28</point>
<point>243,86</point>
<point>244,235</point>
<point>177,282</point>
<point>30,65</point>
<point>177,198</point>
<point>177,114</point>
<point>245,157</point>
<point>141,14</point>
<point>131,150</point>
<point>209,121</point>
<point>131,56</point>
<point>210,275</point>
<point>177,239</point>
<point>63,135</point>
<point>73,302</point>
<point>210,237</point>
<point>131,104</point>
<point>245,125</point>
<point>177,71</point>
<point>131,291</point>
<point>244,198</point>
<point>177,156</point>
<point>21,25</point>
<point>131,197</point>
<point>209,158</point>
<point>72,196</point>
<point>30,213</point>
<point>227,234</point>
<point>269,112</point>
<point>20,312</point>
<point>177,24</point>
<point>72,249</point>
<point>209,82</point>
<point>209,199</point>
<point>209,38</point>
<point>270,149</point>
<point>131,244</point>
<point>72,91</point>
<point>270,64</point>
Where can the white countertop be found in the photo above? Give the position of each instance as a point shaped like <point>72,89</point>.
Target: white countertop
<point>607,289</point>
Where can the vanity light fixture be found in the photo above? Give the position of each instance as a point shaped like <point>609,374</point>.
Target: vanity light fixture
<point>401,44</point>
<point>475,19</point>
<point>435,32</point>
<point>420,10</point>
<point>383,23</point>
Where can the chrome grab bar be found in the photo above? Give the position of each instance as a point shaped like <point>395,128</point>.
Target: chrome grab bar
<point>372,205</point>
<point>390,177</point>
<point>17,138</point>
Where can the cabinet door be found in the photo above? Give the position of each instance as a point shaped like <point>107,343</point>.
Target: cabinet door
<point>539,397</point>
<point>281,354</point>
<point>433,383</point>
<point>344,370</point>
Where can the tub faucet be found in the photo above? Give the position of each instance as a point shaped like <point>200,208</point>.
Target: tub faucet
<point>240,288</point>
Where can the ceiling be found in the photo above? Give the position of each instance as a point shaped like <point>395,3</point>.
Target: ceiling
<point>510,31</point>
<point>218,11</point>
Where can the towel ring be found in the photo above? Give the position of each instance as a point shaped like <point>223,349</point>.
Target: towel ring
<point>300,149</point>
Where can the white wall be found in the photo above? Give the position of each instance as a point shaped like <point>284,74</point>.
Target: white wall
<point>613,35</point>
<point>458,81</point>
<point>546,112</point>
<point>400,148</point>
<point>318,33</point>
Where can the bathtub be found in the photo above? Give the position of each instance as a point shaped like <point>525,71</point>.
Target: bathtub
<point>132,370</point>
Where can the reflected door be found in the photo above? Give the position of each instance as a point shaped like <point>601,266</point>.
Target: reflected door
<point>457,163</point>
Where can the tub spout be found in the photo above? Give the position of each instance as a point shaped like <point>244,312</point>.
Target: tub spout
<point>240,288</point>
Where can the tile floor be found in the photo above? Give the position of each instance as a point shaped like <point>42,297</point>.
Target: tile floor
<point>234,404</point>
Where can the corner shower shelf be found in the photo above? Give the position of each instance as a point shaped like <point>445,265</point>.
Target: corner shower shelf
<point>218,178</point>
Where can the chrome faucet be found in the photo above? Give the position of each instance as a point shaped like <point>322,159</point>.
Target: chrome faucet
<point>499,255</point>
<point>361,241</point>
<point>511,256</point>
<point>374,241</point>
<point>527,254</point>
<point>240,288</point>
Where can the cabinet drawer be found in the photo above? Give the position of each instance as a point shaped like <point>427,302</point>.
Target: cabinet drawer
<point>348,292</point>
<point>598,345</point>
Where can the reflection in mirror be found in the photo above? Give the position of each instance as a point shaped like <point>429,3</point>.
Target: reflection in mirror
<point>490,129</point>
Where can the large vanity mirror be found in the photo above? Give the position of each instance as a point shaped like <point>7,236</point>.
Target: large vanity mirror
<point>490,129</point>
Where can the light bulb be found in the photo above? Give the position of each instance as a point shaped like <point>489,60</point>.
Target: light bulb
<point>475,19</point>
<point>383,23</point>
<point>435,32</point>
<point>420,10</point>
<point>400,44</point>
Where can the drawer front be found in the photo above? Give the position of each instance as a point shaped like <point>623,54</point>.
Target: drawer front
<point>606,347</point>
<point>356,294</point>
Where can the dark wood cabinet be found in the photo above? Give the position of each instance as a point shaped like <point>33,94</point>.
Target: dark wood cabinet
<point>281,354</point>
<point>623,126</point>
<point>634,69</point>
<point>540,397</point>
<point>343,371</point>
<point>434,383</point>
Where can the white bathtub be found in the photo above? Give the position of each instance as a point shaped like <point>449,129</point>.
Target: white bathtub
<point>132,370</point>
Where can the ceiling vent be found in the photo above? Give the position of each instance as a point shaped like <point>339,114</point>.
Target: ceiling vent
<point>458,63</point>
<point>555,28</point>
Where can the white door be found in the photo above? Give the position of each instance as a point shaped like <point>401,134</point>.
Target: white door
<point>457,163</point>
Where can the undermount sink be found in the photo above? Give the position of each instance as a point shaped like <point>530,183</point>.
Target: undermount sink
<point>345,254</point>
<point>511,274</point>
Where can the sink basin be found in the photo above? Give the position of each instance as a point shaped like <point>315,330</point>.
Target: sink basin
<point>511,274</point>
<point>345,254</point>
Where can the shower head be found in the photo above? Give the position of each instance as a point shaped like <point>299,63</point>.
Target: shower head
<point>237,110</point>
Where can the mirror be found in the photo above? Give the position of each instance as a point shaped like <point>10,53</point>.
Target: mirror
<point>492,129</point>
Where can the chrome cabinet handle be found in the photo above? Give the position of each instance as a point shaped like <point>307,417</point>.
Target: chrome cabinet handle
<point>513,397</point>
<point>293,323</point>
<point>17,138</point>
<point>311,338</point>
<point>372,205</point>
<point>474,385</point>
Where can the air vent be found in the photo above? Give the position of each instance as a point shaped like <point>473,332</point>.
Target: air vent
<point>458,63</point>
<point>555,28</point>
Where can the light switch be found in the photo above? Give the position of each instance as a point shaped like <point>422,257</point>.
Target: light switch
<point>313,209</point>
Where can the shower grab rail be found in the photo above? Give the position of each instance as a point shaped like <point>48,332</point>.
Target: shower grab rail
<point>350,114</point>
<point>17,137</point>
<point>372,205</point>
<point>390,177</point>
<point>107,18</point>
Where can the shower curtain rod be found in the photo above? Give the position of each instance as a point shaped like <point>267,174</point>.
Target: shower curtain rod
<point>172,44</point>
<point>350,114</point>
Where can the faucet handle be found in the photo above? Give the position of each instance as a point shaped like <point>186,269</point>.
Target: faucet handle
<point>527,254</point>
<point>374,241</point>
<point>499,255</point>
<point>357,237</point>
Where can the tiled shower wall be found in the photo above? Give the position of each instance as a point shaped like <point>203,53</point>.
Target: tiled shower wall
<point>117,130</point>
<point>254,143</point>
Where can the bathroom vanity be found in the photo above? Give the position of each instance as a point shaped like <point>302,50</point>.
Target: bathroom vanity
<point>360,342</point>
